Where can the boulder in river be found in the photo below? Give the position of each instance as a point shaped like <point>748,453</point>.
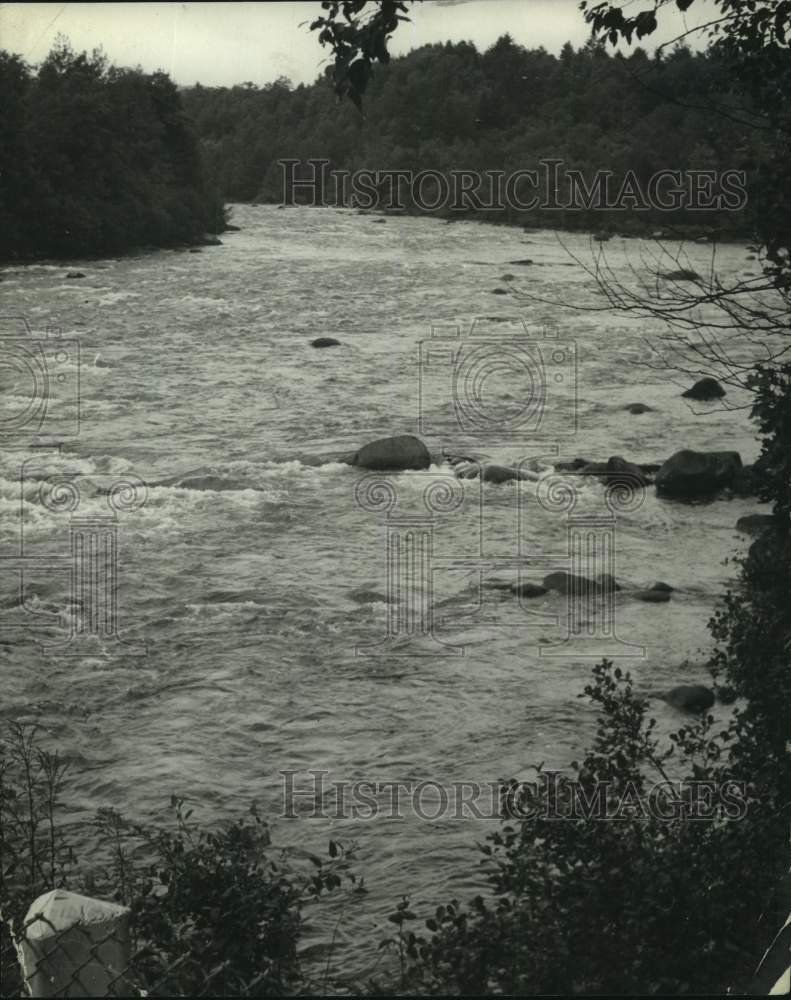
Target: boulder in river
<point>502,474</point>
<point>696,473</point>
<point>325,342</point>
<point>75,274</point>
<point>638,408</point>
<point>569,583</point>
<point>661,585</point>
<point>615,470</point>
<point>392,454</point>
<point>576,465</point>
<point>364,595</point>
<point>690,697</point>
<point>652,596</point>
<point>746,481</point>
<point>499,291</point>
<point>754,524</point>
<point>618,470</point>
<point>682,274</point>
<point>726,695</point>
<point>705,388</point>
<point>212,484</point>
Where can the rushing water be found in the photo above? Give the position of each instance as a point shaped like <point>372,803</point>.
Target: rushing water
<point>241,585</point>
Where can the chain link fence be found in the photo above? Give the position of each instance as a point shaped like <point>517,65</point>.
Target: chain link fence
<point>74,946</point>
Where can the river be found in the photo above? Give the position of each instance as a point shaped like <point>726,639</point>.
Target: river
<point>238,608</point>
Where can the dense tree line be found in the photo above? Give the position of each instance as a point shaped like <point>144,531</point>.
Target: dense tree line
<point>96,159</point>
<point>450,107</point>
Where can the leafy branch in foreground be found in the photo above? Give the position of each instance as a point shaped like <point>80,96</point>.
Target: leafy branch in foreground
<point>357,39</point>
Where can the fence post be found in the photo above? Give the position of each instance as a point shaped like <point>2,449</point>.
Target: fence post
<point>75,946</point>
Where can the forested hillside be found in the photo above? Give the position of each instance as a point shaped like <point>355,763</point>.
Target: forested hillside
<point>96,159</point>
<point>450,107</point>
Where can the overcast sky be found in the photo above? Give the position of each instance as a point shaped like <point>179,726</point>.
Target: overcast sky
<point>227,43</point>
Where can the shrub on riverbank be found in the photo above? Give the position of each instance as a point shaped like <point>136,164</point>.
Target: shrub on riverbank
<point>214,911</point>
<point>677,899</point>
<point>96,159</point>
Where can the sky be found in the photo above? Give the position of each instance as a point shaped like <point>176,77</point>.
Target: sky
<point>227,43</point>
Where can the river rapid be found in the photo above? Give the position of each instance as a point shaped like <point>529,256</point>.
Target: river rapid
<point>244,595</point>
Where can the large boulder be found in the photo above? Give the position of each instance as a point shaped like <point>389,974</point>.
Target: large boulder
<point>393,454</point>
<point>694,473</point>
<point>652,596</point>
<point>705,388</point>
<point>690,697</point>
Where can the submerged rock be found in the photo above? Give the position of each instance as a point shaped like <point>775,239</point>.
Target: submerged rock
<point>505,473</point>
<point>638,408</point>
<point>682,274</point>
<point>569,583</point>
<point>325,342</point>
<point>362,595</point>
<point>618,470</point>
<point>527,589</point>
<point>213,484</point>
<point>652,596</point>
